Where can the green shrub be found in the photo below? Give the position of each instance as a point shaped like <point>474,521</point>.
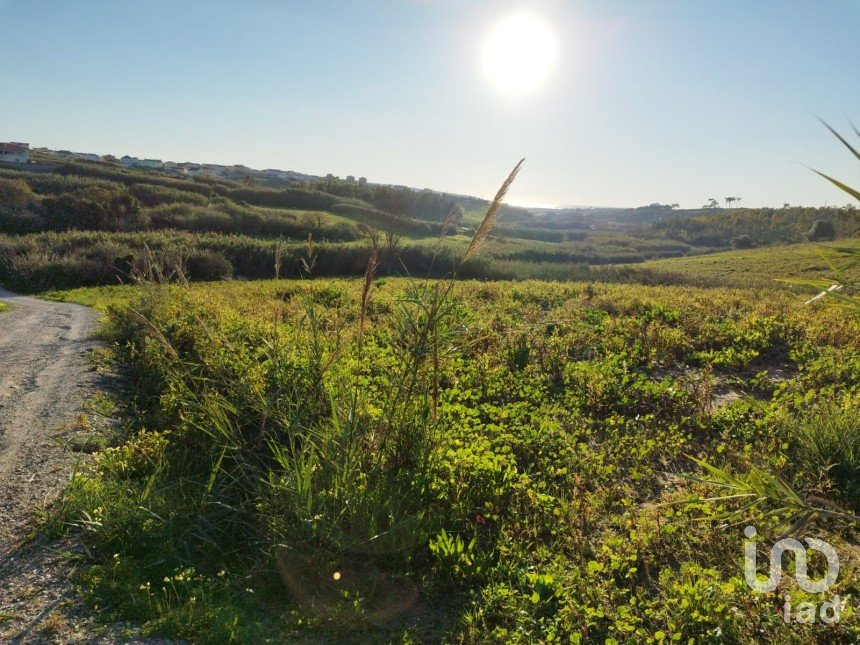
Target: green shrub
<point>153,195</point>
<point>95,208</point>
<point>827,439</point>
<point>743,242</point>
<point>15,195</point>
<point>822,230</point>
<point>21,222</point>
<point>207,266</point>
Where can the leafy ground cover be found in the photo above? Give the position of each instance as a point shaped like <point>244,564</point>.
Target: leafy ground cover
<point>387,459</point>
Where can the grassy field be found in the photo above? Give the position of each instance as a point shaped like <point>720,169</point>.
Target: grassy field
<point>762,267</point>
<point>391,460</point>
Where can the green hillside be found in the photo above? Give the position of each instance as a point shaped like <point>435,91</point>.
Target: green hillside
<point>99,223</point>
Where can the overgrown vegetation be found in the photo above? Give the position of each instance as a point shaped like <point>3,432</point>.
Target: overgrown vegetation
<point>95,223</point>
<point>762,226</point>
<point>326,456</point>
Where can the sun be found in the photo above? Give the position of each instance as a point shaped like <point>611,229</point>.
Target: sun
<point>519,54</point>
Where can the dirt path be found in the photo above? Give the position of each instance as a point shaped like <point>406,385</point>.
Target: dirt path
<point>44,373</point>
<point>45,377</point>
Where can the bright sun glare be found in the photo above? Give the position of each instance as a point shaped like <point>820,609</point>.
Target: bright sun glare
<point>519,54</point>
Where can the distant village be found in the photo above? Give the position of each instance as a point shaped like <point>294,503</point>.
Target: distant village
<point>16,153</point>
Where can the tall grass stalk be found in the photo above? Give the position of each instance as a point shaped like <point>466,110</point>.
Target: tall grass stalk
<point>489,220</point>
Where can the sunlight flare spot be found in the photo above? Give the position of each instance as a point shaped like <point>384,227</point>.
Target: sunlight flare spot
<point>519,54</point>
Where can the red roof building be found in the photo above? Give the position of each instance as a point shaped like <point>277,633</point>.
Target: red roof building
<point>15,152</point>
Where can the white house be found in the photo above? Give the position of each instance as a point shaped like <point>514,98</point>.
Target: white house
<point>134,162</point>
<point>205,170</point>
<point>15,152</point>
<point>86,156</point>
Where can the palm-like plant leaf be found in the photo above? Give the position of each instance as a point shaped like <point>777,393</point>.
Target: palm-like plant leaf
<point>844,292</point>
<point>854,193</point>
<point>764,491</point>
<point>841,138</point>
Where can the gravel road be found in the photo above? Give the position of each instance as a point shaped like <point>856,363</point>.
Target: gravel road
<point>44,374</point>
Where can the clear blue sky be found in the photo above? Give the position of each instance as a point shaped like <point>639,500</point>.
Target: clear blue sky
<point>671,101</point>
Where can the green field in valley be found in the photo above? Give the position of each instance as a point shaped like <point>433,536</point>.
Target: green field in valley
<point>763,267</point>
